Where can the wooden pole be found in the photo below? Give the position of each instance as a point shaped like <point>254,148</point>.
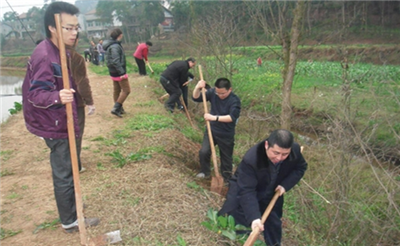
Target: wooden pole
<point>71,134</point>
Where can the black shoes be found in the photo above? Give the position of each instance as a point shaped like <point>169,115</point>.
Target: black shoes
<point>117,110</point>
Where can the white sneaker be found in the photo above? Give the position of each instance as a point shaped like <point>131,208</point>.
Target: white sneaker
<point>200,175</point>
<point>82,170</point>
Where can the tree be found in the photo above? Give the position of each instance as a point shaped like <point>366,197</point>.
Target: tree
<point>181,13</point>
<point>138,18</point>
<point>283,21</point>
<point>10,16</point>
<point>217,29</point>
<point>36,16</point>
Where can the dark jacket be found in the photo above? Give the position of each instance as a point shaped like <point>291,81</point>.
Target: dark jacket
<point>79,73</point>
<point>247,187</point>
<point>115,57</point>
<point>229,106</point>
<point>177,72</point>
<point>45,115</point>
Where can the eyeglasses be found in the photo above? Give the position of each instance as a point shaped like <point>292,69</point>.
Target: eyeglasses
<point>71,29</point>
<point>221,94</point>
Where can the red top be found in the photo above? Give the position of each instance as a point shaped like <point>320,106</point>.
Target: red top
<point>141,51</point>
<point>259,61</point>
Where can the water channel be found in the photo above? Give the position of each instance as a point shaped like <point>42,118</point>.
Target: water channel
<point>10,92</point>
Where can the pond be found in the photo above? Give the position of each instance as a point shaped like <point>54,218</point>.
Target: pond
<point>10,92</point>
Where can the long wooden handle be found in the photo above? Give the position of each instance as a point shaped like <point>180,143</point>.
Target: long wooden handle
<point>210,137</point>
<point>71,134</point>
<point>254,234</point>
<point>186,111</point>
<point>148,64</point>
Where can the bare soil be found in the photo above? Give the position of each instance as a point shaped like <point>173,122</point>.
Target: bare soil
<point>148,201</point>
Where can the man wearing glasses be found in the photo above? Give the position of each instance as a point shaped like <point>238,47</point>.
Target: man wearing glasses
<point>223,116</point>
<point>44,101</point>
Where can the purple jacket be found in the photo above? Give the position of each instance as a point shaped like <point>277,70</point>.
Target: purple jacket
<point>45,115</point>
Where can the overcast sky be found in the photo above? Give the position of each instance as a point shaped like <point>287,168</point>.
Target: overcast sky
<point>22,6</point>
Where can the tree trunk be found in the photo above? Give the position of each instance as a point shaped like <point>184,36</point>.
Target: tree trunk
<point>291,66</point>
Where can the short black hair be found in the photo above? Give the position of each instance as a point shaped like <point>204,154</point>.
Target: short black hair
<point>57,8</point>
<point>115,33</point>
<point>149,43</point>
<point>191,59</point>
<point>282,138</point>
<point>223,83</point>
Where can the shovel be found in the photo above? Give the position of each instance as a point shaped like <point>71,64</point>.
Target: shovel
<point>217,182</point>
<point>72,146</point>
<point>254,234</point>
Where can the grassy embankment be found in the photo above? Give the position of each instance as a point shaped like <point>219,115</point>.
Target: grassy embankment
<point>342,165</point>
<point>354,121</point>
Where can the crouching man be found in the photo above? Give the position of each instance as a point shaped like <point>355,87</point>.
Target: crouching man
<point>273,165</point>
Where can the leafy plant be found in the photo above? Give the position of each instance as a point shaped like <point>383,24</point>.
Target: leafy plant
<point>16,109</point>
<point>225,225</point>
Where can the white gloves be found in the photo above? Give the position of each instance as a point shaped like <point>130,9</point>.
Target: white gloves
<point>91,109</point>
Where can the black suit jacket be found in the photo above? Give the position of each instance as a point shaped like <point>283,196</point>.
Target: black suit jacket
<point>247,187</point>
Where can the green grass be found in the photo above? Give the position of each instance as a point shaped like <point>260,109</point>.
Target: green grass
<point>149,122</point>
<point>317,86</point>
<point>5,233</point>
<point>53,225</point>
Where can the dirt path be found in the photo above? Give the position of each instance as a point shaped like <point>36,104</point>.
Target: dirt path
<point>149,201</point>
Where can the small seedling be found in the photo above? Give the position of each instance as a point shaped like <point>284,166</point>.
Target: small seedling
<point>4,233</point>
<point>45,225</point>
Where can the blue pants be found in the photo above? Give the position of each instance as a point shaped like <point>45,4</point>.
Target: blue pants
<point>225,145</point>
<point>60,160</point>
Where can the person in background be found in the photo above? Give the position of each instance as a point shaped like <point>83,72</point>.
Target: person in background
<point>94,53</point>
<point>259,61</point>
<point>116,63</point>
<point>101,52</point>
<point>272,165</point>
<point>173,78</point>
<point>83,93</point>
<point>223,117</point>
<point>88,56</point>
<point>44,99</point>
<point>140,55</point>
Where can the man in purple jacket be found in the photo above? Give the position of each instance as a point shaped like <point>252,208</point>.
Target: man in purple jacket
<point>44,108</point>
<point>273,165</point>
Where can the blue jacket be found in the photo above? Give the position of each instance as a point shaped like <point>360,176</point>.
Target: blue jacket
<point>45,115</point>
<point>247,187</point>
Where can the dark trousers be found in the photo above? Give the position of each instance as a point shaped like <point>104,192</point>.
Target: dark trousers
<point>184,90</point>
<point>225,145</point>
<point>60,160</point>
<point>88,57</point>
<point>272,226</point>
<point>81,122</point>
<point>141,65</point>
<point>174,94</point>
